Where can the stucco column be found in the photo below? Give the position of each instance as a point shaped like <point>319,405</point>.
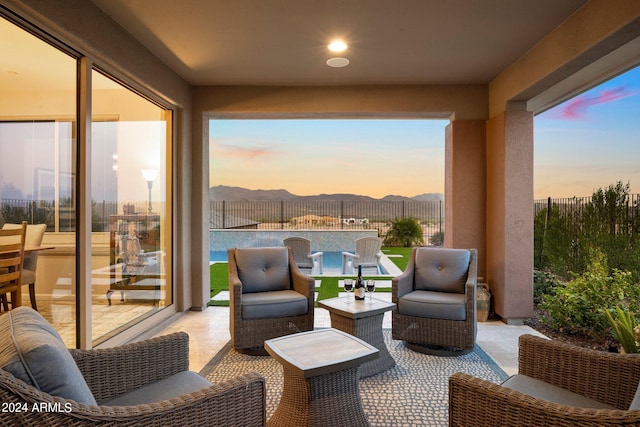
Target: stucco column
<point>510,214</point>
<point>464,184</point>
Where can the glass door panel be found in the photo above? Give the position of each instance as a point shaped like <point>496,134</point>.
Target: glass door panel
<point>131,237</point>
<point>38,169</point>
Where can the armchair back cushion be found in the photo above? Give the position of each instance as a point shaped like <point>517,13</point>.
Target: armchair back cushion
<point>263,269</point>
<point>32,351</point>
<point>441,270</point>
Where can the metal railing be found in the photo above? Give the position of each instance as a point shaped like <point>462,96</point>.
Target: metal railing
<point>60,217</point>
<point>325,215</point>
<point>264,215</point>
<point>618,218</point>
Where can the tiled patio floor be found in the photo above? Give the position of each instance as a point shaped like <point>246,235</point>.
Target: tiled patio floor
<point>209,331</point>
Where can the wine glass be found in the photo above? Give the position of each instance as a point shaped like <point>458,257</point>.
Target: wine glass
<point>371,286</point>
<point>348,286</point>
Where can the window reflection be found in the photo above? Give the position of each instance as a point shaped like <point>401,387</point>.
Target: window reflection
<point>37,166</point>
<point>129,170</point>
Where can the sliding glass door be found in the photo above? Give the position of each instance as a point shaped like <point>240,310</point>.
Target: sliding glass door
<point>128,177</point>
<point>38,148</point>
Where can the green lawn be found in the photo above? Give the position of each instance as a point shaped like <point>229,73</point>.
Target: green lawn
<point>328,289</point>
<point>402,260</point>
<point>219,279</point>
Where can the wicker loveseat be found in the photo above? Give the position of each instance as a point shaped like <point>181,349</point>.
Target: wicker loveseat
<point>100,387</point>
<point>558,384</point>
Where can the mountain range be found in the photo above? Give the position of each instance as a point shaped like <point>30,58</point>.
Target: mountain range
<point>224,192</point>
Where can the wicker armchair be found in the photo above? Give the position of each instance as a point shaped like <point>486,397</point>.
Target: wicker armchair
<point>268,297</point>
<point>608,378</point>
<point>110,373</point>
<point>436,298</point>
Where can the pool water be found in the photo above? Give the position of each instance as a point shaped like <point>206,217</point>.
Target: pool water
<point>331,262</point>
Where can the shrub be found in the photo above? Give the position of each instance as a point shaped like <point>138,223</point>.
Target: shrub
<point>544,283</point>
<point>437,239</point>
<point>609,220</point>
<point>576,307</point>
<point>404,232</point>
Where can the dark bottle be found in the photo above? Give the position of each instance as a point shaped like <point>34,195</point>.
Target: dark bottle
<point>359,287</point>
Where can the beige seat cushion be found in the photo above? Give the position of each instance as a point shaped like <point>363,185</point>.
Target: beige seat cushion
<point>635,403</point>
<point>265,305</point>
<point>180,384</point>
<point>551,393</point>
<point>434,305</point>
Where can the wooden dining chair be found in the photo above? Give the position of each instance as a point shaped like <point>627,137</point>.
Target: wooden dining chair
<point>34,236</point>
<point>11,261</point>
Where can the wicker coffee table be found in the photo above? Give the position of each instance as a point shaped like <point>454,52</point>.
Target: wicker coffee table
<point>320,378</point>
<point>364,321</point>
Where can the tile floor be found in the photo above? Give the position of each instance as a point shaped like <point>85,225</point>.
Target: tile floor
<point>209,331</point>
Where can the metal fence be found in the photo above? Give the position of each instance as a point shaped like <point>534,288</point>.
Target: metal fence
<point>59,217</point>
<point>325,215</point>
<point>264,215</point>
<point>618,217</point>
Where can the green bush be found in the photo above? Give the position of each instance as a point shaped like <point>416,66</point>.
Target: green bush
<point>544,283</point>
<point>437,239</point>
<point>565,234</point>
<point>404,232</point>
<point>576,307</point>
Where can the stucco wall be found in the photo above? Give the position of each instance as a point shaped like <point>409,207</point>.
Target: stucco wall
<point>465,187</point>
<point>509,224</point>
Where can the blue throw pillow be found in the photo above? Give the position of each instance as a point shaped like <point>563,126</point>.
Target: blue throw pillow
<point>33,351</point>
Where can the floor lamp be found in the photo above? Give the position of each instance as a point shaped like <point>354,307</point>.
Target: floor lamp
<point>149,175</point>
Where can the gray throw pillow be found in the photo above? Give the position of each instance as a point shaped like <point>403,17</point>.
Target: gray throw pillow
<point>33,351</point>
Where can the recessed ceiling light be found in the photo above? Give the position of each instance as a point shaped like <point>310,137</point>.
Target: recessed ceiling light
<point>337,46</point>
<point>337,62</point>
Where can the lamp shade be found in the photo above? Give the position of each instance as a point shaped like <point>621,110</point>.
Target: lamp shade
<point>149,174</point>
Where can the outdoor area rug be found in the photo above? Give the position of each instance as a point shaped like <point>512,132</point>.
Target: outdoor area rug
<point>413,393</point>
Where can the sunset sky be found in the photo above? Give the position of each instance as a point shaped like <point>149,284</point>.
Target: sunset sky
<point>586,143</point>
<point>307,157</point>
<point>590,141</point>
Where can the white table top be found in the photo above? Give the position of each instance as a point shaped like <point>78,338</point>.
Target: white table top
<point>358,308</point>
<point>320,352</point>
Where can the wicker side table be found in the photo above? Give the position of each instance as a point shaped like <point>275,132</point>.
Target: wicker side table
<point>320,378</point>
<point>364,321</point>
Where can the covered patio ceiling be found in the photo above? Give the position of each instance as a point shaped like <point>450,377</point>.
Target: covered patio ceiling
<point>284,42</point>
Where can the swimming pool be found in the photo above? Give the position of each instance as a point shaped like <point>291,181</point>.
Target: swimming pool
<point>331,262</point>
